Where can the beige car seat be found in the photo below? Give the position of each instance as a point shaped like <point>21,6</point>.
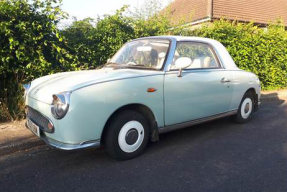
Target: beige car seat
<point>200,62</point>
<point>161,58</point>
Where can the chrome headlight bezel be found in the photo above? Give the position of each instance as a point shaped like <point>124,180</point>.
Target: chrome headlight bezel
<point>60,105</point>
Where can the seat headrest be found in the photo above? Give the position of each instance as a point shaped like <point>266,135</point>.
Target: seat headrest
<point>200,62</point>
<point>206,63</point>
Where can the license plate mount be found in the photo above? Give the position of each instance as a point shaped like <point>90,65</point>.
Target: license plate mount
<point>33,127</point>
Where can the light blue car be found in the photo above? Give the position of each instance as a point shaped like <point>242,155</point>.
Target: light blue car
<point>152,85</point>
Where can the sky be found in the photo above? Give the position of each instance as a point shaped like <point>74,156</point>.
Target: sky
<point>94,8</point>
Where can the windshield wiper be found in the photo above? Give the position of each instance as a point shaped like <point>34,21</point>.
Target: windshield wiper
<point>140,67</point>
<point>137,65</point>
<point>115,65</point>
<point>122,66</point>
<point>112,63</point>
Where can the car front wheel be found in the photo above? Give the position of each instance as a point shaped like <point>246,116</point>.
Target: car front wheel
<point>127,135</point>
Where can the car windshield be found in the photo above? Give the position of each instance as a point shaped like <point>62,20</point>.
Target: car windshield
<point>145,54</point>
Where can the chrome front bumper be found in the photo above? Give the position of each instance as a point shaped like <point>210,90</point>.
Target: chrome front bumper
<point>67,146</point>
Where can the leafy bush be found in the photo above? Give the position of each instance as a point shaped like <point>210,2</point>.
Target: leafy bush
<point>94,44</point>
<point>30,46</point>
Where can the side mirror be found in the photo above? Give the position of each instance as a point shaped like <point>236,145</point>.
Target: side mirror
<point>109,59</point>
<point>182,63</point>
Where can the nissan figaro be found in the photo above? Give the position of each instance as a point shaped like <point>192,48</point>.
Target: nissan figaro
<point>150,86</point>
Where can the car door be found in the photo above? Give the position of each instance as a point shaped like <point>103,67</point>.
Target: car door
<point>204,88</point>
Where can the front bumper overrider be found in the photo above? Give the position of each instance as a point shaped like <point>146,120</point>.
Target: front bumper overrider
<point>68,146</point>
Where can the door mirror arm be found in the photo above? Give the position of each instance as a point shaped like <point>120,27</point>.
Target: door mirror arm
<point>179,72</point>
<point>182,63</point>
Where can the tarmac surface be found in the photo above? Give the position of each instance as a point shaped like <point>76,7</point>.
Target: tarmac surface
<point>215,156</point>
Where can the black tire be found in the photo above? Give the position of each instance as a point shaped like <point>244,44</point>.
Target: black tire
<point>241,116</point>
<point>112,143</point>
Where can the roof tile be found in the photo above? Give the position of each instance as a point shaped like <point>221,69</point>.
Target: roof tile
<point>259,11</point>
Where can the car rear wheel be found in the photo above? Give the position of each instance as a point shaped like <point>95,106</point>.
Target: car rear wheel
<point>245,109</point>
<point>127,135</point>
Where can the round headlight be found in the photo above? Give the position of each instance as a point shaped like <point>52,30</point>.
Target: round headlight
<point>61,104</point>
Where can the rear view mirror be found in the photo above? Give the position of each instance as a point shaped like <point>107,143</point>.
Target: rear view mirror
<point>182,63</point>
<point>144,48</point>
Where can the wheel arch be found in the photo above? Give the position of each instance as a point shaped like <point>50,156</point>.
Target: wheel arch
<point>144,110</point>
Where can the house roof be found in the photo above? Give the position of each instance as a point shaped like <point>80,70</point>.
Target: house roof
<point>189,10</point>
<point>259,11</point>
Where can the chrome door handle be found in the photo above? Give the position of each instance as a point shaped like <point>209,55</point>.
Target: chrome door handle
<point>224,80</point>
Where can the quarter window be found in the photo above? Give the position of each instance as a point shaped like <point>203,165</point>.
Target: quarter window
<point>201,55</point>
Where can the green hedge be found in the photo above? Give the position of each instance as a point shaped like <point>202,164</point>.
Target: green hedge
<point>31,45</point>
<point>94,44</point>
<point>261,51</point>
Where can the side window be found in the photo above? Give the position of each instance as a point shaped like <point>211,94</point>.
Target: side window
<point>201,55</point>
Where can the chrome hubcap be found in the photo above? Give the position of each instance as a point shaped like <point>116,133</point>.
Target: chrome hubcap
<point>246,108</point>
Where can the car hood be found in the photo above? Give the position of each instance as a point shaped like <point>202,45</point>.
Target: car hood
<point>43,88</point>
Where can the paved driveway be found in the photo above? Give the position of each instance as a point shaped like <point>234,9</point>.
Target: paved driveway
<point>216,156</point>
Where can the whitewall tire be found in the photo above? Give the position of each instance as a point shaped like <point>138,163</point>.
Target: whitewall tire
<point>127,135</point>
<point>131,136</point>
<point>245,109</point>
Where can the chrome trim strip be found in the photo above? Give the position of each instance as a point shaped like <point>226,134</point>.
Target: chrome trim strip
<point>66,146</point>
<point>170,55</point>
<point>199,70</point>
<point>215,52</point>
<point>195,122</point>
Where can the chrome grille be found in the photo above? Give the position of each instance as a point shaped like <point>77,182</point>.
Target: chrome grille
<point>39,119</point>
